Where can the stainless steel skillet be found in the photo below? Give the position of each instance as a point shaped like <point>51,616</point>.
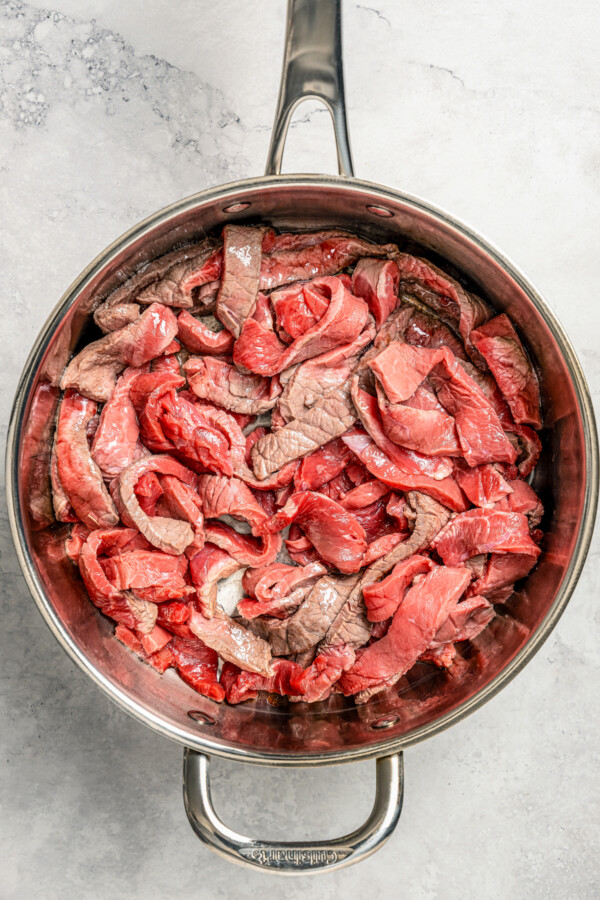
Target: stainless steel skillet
<point>334,731</point>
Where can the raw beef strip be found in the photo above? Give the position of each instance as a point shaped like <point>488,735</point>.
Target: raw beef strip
<point>116,442</point>
<point>224,385</point>
<point>319,467</point>
<point>522,499</point>
<point>423,330</point>
<point>465,622</point>
<point>380,465</point>
<point>499,344</point>
<point>207,568</point>
<point>376,281</point>
<point>335,533</point>
<point>169,535</point>
<point>144,568</point>
<point>327,419</point>
<point>383,597</point>
<point>36,449</point>
<point>316,682</point>
<point>120,605</point>
<point>446,296</point>
<point>197,336</point>
<point>279,608</point>
<point>312,380</point>
<point>197,665</point>
<point>419,616</point>
<point>240,685</point>
<point>277,580</point>
<point>79,475</point>
<point>242,255</point>
<point>311,622</point>
<point>119,308</point>
<point>484,531</point>
<point>63,511</point>
<point>420,423</point>
<point>176,285</point>
<point>351,625</point>
<point>94,370</point>
<point>502,570</point>
<point>483,485</point>
<point>233,642</point>
<point>331,254</point>
<point>401,369</point>
<point>365,493</point>
<point>259,350</point>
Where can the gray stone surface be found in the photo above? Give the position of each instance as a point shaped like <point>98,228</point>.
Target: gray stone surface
<point>111,109</point>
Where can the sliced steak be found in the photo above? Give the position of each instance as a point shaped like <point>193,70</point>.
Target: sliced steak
<point>116,442</point>
<point>259,350</point>
<point>207,568</point>
<point>327,419</point>
<point>94,370</point>
<point>499,344</point>
<point>376,281</point>
<point>119,308</point>
<point>448,299</point>
<point>425,607</point>
<point>176,285</point>
<point>225,386</point>
<point>311,622</point>
<point>242,256</point>
<point>200,336</point>
<point>79,475</point>
<point>312,380</point>
<point>332,253</point>
<point>169,535</point>
<point>351,625</point>
<point>233,642</point>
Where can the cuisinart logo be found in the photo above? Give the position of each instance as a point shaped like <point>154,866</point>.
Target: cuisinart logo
<point>278,857</point>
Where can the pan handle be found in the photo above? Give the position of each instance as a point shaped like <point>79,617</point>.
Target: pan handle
<point>312,68</point>
<point>293,858</point>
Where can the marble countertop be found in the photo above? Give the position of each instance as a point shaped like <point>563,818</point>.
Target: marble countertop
<point>110,110</point>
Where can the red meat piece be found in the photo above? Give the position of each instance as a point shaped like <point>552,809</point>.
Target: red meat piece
<point>413,462</point>
<point>170,535</point>
<point>224,385</point>
<point>116,442</point>
<point>484,531</point>
<point>483,485</point>
<point>344,320</point>
<point>383,598</point>
<point>322,465</point>
<point>240,685</point>
<point>242,256</point>
<point>297,309</point>
<point>182,502</point>
<point>501,571</point>
<point>197,665</point>
<point>334,532</point>
<point>364,494</point>
<point>233,642</point>
<point>316,682</point>
<point>207,568</point>
<point>522,499</point>
<point>148,490</point>
<point>417,426</point>
<point>422,611</point>
<point>251,439</point>
<point>77,538</point>
<point>94,370</point>
<point>144,568</point>
<point>376,281</point>
<point>197,337</point>
<point>446,491</point>
<point>119,605</point>
<point>401,369</point>
<point>79,475</point>
<point>277,580</point>
<point>155,640</point>
<point>175,613</point>
<point>499,344</point>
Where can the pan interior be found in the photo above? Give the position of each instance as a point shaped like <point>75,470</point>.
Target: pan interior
<point>425,700</point>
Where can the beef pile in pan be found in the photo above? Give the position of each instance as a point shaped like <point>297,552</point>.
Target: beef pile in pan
<point>354,394</point>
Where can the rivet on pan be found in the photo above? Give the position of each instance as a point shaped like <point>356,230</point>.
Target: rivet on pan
<point>385,722</point>
<point>201,717</point>
<point>380,211</point>
<point>236,207</point>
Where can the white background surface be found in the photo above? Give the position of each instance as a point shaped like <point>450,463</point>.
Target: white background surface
<point>110,109</point>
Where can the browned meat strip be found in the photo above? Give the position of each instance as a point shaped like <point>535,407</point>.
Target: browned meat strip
<point>119,308</point>
<point>94,370</point>
<point>327,419</point>
<point>176,285</point>
<point>242,256</point>
<point>351,625</point>
<point>232,641</point>
<point>170,535</point>
<point>312,621</point>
